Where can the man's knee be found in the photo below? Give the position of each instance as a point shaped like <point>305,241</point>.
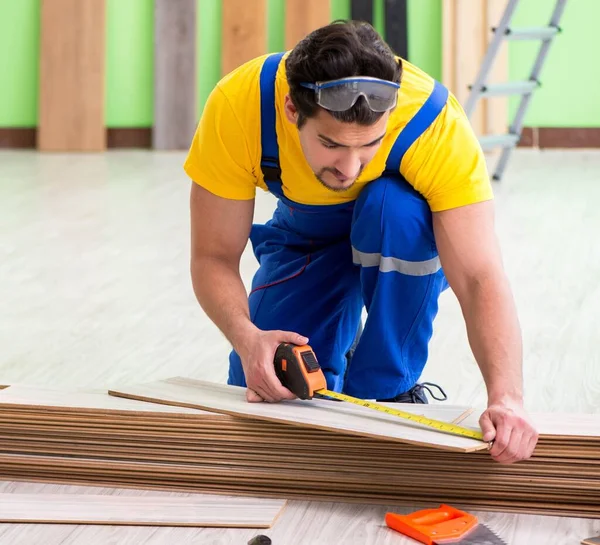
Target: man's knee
<point>393,219</point>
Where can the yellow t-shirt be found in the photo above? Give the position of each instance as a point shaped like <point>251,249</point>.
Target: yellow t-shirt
<point>445,164</point>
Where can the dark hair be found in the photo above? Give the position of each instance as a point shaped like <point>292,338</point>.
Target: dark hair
<point>339,50</point>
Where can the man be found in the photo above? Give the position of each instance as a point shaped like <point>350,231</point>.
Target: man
<point>383,200</point>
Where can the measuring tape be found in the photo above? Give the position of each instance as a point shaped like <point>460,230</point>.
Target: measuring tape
<point>439,425</point>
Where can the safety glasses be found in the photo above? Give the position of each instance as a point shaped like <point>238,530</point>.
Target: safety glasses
<point>341,94</point>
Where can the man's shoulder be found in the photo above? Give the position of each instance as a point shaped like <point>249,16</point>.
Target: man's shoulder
<point>244,80</point>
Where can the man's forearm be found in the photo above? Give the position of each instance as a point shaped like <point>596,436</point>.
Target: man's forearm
<point>495,336</point>
<point>221,293</point>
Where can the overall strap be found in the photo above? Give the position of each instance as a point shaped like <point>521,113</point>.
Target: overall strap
<point>269,162</point>
<point>417,126</point>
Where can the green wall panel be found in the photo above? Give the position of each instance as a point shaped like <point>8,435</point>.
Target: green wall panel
<point>570,77</point>
<point>425,35</point>
<point>19,62</point>
<point>340,9</point>
<point>276,25</point>
<point>129,63</point>
<point>210,16</point>
<point>378,17</point>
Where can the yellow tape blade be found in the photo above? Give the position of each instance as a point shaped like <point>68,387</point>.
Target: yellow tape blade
<point>439,425</point>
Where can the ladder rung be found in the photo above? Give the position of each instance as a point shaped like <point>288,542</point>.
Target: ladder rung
<point>499,141</point>
<point>531,33</point>
<point>511,88</point>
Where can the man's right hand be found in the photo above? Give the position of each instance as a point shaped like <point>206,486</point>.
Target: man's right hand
<point>258,355</point>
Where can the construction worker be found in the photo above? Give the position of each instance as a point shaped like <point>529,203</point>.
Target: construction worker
<point>383,200</point>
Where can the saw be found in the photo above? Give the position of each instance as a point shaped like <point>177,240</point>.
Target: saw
<point>443,525</point>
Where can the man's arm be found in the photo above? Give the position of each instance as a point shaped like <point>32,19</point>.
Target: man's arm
<point>472,262</point>
<point>219,233</point>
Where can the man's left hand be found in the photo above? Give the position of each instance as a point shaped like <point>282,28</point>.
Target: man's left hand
<point>507,424</point>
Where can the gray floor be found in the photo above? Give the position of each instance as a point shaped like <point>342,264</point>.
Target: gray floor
<point>95,292</point>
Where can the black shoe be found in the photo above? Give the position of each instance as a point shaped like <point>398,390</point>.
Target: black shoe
<point>416,395</point>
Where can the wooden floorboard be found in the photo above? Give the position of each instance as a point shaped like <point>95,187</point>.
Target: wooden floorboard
<point>139,511</point>
<point>123,312</point>
<point>53,439</point>
<point>317,414</point>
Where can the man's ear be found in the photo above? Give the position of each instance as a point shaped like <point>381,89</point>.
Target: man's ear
<point>290,110</point>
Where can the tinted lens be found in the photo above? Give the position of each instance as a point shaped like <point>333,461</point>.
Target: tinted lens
<point>380,97</point>
<point>340,98</point>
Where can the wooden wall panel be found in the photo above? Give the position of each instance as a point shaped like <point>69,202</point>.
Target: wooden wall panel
<point>71,94</point>
<point>470,29</point>
<point>496,108</point>
<point>467,32</point>
<point>302,17</point>
<point>175,89</point>
<point>244,32</point>
<point>448,44</point>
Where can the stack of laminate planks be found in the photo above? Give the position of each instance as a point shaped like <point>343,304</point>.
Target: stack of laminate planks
<point>322,450</point>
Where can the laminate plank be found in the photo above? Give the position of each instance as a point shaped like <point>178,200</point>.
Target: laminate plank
<point>27,399</point>
<point>496,108</point>
<point>448,43</point>
<point>143,510</point>
<point>562,427</point>
<point>244,32</point>
<point>320,414</point>
<point>302,17</point>
<point>72,65</point>
<point>175,66</point>
<point>466,30</point>
<point>38,398</point>
<point>469,25</point>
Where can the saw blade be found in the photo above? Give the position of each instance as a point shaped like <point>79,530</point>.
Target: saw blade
<point>481,535</point>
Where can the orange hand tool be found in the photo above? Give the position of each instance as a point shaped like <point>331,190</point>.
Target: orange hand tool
<point>443,525</point>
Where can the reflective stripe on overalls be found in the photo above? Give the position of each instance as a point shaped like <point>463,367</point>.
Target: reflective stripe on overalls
<point>320,264</point>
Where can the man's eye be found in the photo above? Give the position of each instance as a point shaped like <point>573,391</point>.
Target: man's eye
<point>329,146</point>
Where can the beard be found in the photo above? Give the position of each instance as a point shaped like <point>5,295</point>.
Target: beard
<point>320,177</point>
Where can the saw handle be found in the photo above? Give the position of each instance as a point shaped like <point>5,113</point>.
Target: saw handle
<point>298,370</point>
<point>430,526</point>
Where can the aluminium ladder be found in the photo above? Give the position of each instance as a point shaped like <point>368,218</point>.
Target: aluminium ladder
<point>480,89</point>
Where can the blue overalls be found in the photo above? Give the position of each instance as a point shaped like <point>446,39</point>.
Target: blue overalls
<point>320,264</point>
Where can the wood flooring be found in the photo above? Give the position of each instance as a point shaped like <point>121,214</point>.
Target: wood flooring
<point>316,450</point>
<point>315,414</point>
<point>139,511</point>
<point>95,294</point>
